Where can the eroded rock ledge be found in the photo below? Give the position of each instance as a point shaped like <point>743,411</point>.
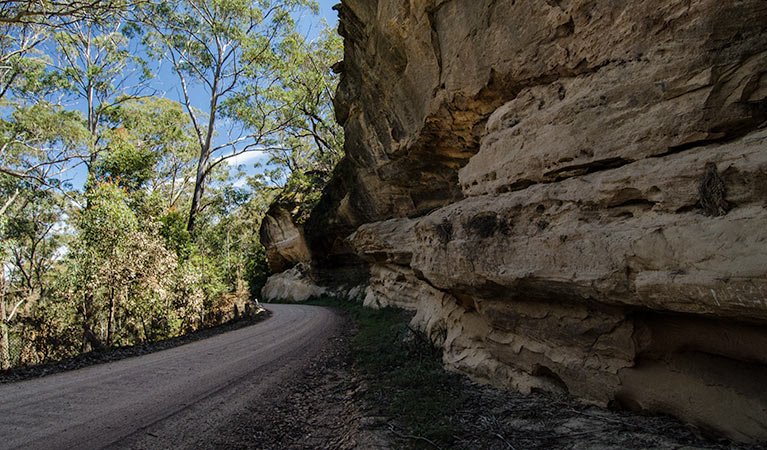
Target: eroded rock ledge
<point>571,194</point>
<point>283,238</point>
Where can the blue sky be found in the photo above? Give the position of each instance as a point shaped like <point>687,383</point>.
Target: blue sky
<point>327,12</point>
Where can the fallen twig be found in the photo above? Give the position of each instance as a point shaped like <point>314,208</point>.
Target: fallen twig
<point>413,437</point>
<point>508,444</point>
<point>571,435</point>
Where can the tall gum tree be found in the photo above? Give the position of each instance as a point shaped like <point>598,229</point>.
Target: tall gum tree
<point>231,50</point>
<point>100,70</point>
<point>159,131</point>
<point>36,142</point>
<point>57,12</point>
<point>100,74</point>
<point>312,139</point>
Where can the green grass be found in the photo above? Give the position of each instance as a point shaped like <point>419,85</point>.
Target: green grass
<point>404,373</point>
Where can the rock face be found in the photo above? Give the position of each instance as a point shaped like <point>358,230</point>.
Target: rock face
<point>569,193</point>
<point>299,283</point>
<point>283,239</point>
<point>292,285</point>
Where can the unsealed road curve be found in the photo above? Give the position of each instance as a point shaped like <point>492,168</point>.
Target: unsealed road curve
<point>168,399</point>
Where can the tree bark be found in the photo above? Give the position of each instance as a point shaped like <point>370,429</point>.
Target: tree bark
<point>5,351</point>
<point>205,148</point>
<point>199,190</point>
<point>111,323</point>
<point>90,340</point>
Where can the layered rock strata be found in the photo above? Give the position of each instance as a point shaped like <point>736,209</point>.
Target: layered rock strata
<point>569,193</point>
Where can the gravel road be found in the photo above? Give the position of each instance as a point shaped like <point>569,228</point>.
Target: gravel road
<point>169,399</point>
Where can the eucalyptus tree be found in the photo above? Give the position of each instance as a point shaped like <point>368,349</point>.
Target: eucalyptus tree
<point>309,88</point>
<point>100,71</point>
<point>37,143</point>
<point>230,50</point>
<point>47,48</point>
<point>120,267</point>
<point>17,53</point>
<point>150,145</point>
<point>30,249</point>
<point>26,24</point>
<point>56,12</point>
<point>102,228</point>
<point>312,139</point>
<point>40,138</point>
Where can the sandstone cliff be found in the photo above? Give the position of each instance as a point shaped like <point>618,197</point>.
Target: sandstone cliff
<point>569,193</point>
<point>282,238</point>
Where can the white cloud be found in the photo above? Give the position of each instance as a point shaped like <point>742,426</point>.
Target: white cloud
<point>245,159</point>
<point>240,183</point>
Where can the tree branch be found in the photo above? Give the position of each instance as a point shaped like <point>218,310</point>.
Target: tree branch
<point>9,202</point>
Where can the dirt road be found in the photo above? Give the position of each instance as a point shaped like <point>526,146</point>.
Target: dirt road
<point>168,399</point>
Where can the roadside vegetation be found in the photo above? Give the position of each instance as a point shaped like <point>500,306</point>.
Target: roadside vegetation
<point>250,316</point>
<point>405,379</point>
<point>126,214</point>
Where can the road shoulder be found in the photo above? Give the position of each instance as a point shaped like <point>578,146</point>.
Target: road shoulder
<point>319,407</point>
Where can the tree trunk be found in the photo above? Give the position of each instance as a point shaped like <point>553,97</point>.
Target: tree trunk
<point>5,351</point>
<point>146,334</point>
<point>202,172</point>
<point>205,151</point>
<point>111,323</point>
<point>199,189</point>
<point>87,301</point>
<point>90,340</point>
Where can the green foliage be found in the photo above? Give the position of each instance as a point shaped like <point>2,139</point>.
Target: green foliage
<point>107,221</point>
<point>38,141</point>
<point>311,141</point>
<point>27,223</point>
<point>234,50</point>
<point>146,136</point>
<point>173,230</point>
<point>158,124</point>
<point>188,296</point>
<point>46,124</point>
<point>208,281</point>
<point>94,57</point>
<point>130,166</point>
<point>28,255</point>
<point>126,274</point>
<point>256,269</point>
<point>28,77</point>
